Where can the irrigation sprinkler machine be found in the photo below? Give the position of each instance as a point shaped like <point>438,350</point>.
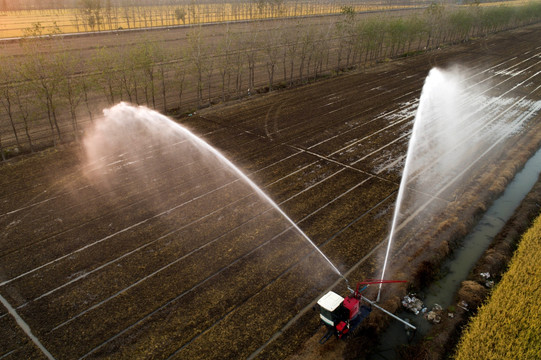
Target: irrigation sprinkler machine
<point>342,315</point>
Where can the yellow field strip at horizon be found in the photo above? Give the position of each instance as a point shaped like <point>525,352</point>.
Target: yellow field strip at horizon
<point>14,23</point>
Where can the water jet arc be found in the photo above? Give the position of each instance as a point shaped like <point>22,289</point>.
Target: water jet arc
<point>155,117</point>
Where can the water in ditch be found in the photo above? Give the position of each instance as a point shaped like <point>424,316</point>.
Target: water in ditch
<point>463,260</point>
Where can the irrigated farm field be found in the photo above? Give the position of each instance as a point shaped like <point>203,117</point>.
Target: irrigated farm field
<point>192,264</point>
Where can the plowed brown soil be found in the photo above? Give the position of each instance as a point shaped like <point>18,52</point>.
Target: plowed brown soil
<point>157,272</point>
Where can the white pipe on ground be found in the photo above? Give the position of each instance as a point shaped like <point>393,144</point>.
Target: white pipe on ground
<point>373,303</point>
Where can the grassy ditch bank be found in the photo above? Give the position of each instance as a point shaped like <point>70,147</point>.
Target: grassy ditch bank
<point>443,337</point>
<point>508,325</point>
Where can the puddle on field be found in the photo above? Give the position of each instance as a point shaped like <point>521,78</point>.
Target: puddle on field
<point>458,267</point>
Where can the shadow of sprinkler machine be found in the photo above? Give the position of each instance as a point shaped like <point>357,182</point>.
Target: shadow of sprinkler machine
<point>342,316</point>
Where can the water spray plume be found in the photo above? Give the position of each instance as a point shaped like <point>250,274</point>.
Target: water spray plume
<point>455,126</point>
<point>147,118</point>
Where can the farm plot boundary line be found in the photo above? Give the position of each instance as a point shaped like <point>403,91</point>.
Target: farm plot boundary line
<point>10,353</point>
<point>24,327</point>
<point>370,174</point>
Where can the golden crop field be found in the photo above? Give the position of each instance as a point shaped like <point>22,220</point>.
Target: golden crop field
<point>509,325</point>
<point>14,23</point>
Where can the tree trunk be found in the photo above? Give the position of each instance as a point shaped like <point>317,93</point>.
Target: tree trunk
<point>7,106</point>
<point>162,71</point>
<point>2,151</point>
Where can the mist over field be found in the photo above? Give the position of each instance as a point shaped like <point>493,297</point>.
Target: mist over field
<point>249,159</point>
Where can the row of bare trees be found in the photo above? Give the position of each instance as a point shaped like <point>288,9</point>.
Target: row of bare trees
<point>101,15</point>
<point>97,15</point>
<point>14,5</point>
<point>47,97</point>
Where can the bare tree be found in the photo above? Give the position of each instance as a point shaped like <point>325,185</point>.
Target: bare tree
<point>209,69</point>
<point>144,55</point>
<point>290,40</point>
<point>238,62</point>
<point>225,62</point>
<point>71,86</point>
<point>91,12</point>
<point>434,17</point>
<point>271,48</point>
<point>128,74</point>
<point>180,14</point>
<point>88,83</point>
<point>198,56</point>
<point>108,73</point>
<point>44,74</point>
<point>305,49</point>
<point>251,51</point>
<point>7,89</point>
<point>180,80</point>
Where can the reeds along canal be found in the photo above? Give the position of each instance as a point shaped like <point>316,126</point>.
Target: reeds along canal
<point>463,260</point>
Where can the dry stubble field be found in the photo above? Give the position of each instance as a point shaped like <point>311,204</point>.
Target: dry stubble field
<point>191,264</point>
